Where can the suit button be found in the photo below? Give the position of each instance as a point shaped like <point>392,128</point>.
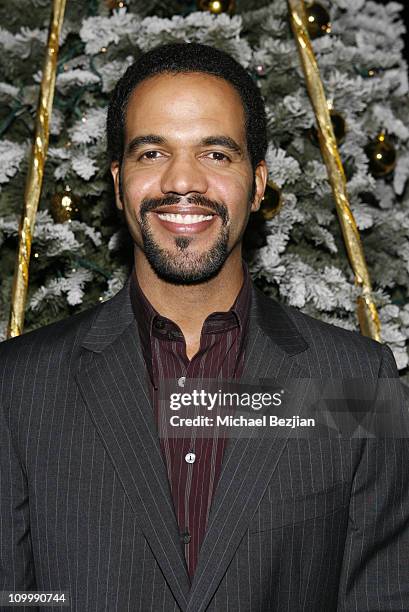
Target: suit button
<point>186,537</point>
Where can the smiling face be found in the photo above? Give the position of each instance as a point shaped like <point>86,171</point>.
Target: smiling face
<point>186,178</point>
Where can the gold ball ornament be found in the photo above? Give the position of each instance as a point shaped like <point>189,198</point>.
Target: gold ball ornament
<point>255,236</point>
<point>115,4</point>
<point>216,7</point>
<point>64,206</point>
<point>318,20</point>
<point>272,201</point>
<point>382,156</point>
<point>339,127</point>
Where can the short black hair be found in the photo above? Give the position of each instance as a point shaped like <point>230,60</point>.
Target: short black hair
<point>184,58</point>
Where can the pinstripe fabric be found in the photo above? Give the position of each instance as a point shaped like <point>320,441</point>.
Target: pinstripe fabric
<point>220,355</point>
<point>85,504</point>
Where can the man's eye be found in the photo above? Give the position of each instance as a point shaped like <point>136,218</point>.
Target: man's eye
<point>150,155</point>
<point>218,156</point>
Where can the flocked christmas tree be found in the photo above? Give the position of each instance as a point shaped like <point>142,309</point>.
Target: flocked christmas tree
<point>81,250</point>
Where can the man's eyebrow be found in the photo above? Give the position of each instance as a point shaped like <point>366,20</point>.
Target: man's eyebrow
<point>139,141</point>
<point>221,141</point>
<point>209,141</point>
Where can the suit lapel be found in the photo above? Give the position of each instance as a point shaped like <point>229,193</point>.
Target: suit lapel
<point>113,384</point>
<point>249,463</point>
<point>114,387</point>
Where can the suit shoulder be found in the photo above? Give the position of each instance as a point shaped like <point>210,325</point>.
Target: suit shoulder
<point>60,335</point>
<point>328,349</point>
<point>317,329</point>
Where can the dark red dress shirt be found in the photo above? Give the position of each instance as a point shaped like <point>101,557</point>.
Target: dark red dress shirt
<point>193,480</point>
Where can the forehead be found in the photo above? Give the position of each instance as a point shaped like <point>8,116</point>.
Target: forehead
<point>184,104</point>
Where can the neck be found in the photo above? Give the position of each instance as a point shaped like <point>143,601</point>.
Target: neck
<point>189,305</point>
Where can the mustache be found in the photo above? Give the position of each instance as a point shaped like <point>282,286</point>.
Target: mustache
<point>150,204</point>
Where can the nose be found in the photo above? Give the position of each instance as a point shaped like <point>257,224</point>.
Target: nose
<point>182,175</point>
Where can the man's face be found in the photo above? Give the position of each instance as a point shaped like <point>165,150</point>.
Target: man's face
<point>186,175</point>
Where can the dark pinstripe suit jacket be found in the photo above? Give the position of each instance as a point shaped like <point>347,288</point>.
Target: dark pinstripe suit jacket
<point>85,505</point>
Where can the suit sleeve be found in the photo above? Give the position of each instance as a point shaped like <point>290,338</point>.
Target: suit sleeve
<point>16,558</point>
<point>375,569</point>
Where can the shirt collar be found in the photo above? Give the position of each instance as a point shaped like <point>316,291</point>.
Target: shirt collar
<point>148,318</point>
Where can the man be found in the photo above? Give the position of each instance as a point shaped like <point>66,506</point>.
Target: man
<point>94,501</point>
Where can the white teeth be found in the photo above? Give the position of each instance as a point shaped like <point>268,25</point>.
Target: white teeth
<point>186,219</point>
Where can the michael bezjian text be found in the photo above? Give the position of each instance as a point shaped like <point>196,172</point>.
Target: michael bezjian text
<point>241,421</point>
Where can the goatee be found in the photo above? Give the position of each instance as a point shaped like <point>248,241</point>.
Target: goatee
<point>185,267</point>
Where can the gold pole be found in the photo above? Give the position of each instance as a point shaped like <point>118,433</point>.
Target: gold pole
<point>35,172</point>
<point>367,313</point>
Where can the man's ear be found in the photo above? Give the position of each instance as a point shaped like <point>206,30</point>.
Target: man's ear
<point>260,178</point>
<point>116,175</point>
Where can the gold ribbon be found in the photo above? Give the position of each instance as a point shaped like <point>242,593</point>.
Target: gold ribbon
<point>35,172</point>
<point>366,309</point>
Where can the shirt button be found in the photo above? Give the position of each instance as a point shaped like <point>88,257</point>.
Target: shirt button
<point>190,457</point>
<point>181,381</point>
<point>159,323</point>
